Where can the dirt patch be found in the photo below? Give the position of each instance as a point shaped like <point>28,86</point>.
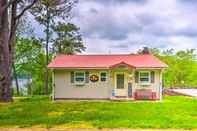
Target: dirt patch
<point>42,129</point>
<point>55,114</point>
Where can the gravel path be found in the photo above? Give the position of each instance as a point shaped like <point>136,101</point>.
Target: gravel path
<point>188,92</point>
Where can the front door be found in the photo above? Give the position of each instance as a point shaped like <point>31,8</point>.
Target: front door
<point>120,85</point>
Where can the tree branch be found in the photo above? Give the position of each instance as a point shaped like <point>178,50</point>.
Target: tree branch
<point>9,4</point>
<point>25,9</point>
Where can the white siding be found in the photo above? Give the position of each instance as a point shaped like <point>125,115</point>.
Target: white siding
<point>98,90</point>
<point>65,89</point>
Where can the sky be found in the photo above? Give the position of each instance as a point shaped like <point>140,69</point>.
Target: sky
<point>124,26</point>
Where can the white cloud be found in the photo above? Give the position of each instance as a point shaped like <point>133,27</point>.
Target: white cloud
<point>124,26</point>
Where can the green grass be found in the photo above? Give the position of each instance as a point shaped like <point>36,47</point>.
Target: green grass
<point>174,112</point>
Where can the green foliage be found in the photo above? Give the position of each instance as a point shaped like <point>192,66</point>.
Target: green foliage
<point>175,112</point>
<point>55,10</point>
<point>30,64</point>
<point>69,40</point>
<point>48,13</point>
<point>27,51</point>
<point>182,70</point>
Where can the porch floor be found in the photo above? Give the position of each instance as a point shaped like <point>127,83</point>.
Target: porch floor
<point>121,98</point>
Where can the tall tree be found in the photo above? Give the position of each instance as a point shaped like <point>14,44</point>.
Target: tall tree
<point>29,62</point>
<point>69,40</point>
<point>8,26</point>
<point>145,50</point>
<point>47,13</point>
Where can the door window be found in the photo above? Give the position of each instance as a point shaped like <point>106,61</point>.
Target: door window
<point>120,81</point>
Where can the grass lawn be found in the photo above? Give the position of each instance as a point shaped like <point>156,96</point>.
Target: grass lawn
<point>174,112</point>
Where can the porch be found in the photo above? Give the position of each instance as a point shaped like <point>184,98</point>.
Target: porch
<point>129,83</point>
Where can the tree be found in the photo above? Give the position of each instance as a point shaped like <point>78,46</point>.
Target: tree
<point>47,13</point>
<point>23,29</point>
<point>68,39</point>
<point>182,67</point>
<point>8,27</point>
<point>30,63</point>
<point>145,50</point>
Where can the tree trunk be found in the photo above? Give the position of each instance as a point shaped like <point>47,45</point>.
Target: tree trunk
<point>5,59</point>
<point>7,45</point>
<point>12,43</point>
<point>47,50</point>
<point>29,87</point>
<point>16,79</point>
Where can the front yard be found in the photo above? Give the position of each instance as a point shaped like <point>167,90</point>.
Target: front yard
<point>174,112</point>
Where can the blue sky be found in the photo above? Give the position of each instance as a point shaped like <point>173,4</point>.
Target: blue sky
<point>124,26</point>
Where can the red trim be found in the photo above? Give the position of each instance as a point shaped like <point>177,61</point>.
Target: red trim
<point>78,67</point>
<point>121,63</point>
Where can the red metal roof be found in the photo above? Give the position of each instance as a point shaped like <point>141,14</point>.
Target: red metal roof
<point>106,61</point>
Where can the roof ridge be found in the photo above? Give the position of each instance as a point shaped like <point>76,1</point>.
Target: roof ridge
<point>104,54</point>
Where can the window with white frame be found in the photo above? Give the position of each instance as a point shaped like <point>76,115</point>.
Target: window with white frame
<point>144,77</point>
<point>103,76</point>
<point>79,77</point>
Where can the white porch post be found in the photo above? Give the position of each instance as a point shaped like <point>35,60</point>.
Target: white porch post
<point>160,86</point>
<point>53,85</point>
<point>110,79</point>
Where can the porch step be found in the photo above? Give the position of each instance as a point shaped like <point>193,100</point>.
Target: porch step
<point>121,98</point>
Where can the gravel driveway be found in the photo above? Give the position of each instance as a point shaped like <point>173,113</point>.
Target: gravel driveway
<point>188,92</point>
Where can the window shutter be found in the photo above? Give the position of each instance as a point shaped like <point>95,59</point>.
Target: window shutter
<point>72,77</point>
<point>87,77</point>
<point>136,76</point>
<point>152,76</point>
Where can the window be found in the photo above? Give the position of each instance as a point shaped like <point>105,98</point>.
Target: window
<point>144,77</point>
<point>103,76</point>
<point>79,77</point>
